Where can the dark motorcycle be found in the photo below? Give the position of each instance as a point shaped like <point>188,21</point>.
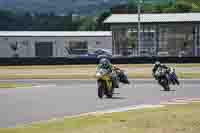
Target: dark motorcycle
<point>173,77</point>
<point>163,78</point>
<point>122,76</point>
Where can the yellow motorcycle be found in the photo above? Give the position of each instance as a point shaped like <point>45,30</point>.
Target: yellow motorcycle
<point>104,83</point>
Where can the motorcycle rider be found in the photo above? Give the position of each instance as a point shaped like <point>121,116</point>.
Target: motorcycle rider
<point>155,68</point>
<point>106,64</point>
<point>162,66</point>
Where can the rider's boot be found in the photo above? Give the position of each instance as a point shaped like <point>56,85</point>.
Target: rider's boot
<point>114,80</point>
<point>173,82</point>
<point>115,85</point>
<point>177,82</point>
<point>176,79</point>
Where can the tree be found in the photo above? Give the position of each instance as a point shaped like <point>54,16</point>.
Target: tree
<point>100,20</point>
<point>88,24</point>
<point>157,8</point>
<point>148,8</point>
<point>169,10</point>
<point>68,22</point>
<point>132,6</point>
<point>160,8</point>
<point>183,6</point>
<point>131,39</point>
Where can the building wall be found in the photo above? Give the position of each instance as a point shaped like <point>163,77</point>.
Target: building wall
<point>175,38</point>
<point>120,37</point>
<point>196,40</point>
<point>169,38</point>
<point>5,50</point>
<point>27,45</point>
<point>93,42</point>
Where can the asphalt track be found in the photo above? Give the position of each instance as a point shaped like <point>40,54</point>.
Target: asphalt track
<point>58,98</point>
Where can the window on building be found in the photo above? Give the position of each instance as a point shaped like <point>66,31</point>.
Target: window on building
<point>44,49</point>
<point>25,42</point>
<point>6,39</point>
<point>98,42</point>
<point>78,47</point>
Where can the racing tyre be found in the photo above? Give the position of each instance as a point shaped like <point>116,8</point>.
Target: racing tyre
<point>166,88</point>
<point>100,89</point>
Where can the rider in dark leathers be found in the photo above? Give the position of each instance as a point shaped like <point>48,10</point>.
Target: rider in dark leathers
<point>155,68</point>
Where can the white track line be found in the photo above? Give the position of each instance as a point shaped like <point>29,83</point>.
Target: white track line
<point>50,85</point>
<point>122,109</point>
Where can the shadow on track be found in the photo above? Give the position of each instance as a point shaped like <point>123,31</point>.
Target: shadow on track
<point>116,93</point>
<point>167,91</point>
<point>119,98</point>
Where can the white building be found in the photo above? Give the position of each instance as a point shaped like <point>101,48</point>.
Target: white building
<point>52,44</point>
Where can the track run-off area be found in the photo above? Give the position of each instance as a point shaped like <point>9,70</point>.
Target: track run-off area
<point>49,99</point>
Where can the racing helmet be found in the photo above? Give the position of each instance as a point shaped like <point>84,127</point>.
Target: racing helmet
<point>99,57</point>
<point>104,62</point>
<point>157,63</point>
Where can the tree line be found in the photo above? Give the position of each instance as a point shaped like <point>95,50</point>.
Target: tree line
<point>50,22</point>
<point>171,6</point>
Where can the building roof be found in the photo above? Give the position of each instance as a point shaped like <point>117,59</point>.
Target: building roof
<point>154,18</point>
<point>56,33</point>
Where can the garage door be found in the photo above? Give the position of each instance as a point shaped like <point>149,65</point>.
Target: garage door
<point>44,49</point>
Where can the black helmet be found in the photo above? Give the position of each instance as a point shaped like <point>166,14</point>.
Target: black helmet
<point>104,62</point>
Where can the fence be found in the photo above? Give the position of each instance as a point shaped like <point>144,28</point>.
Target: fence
<point>78,61</point>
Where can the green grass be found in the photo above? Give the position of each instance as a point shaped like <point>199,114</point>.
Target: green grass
<point>13,85</point>
<point>85,76</point>
<point>180,75</point>
<point>83,71</point>
<point>89,66</point>
<point>189,75</point>
<point>80,76</point>
<point>170,119</point>
<point>46,66</point>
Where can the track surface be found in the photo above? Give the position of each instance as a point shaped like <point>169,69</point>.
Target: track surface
<point>58,98</point>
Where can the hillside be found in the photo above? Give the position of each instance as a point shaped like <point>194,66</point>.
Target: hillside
<point>59,6</point>
<point>83,7</point>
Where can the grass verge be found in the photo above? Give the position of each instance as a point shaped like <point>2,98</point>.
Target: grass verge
<point>85,76</point>
<point>180,75</point>
<point>170,119</point>
<point>87,71</point>
<point>91,66</point>
<point>13,85</point>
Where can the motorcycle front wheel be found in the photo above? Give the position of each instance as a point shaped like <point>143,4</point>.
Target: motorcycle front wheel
<point>100,89</point>
<point>164,83</point>
<point>166,87</point>
<point>109,94</point>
